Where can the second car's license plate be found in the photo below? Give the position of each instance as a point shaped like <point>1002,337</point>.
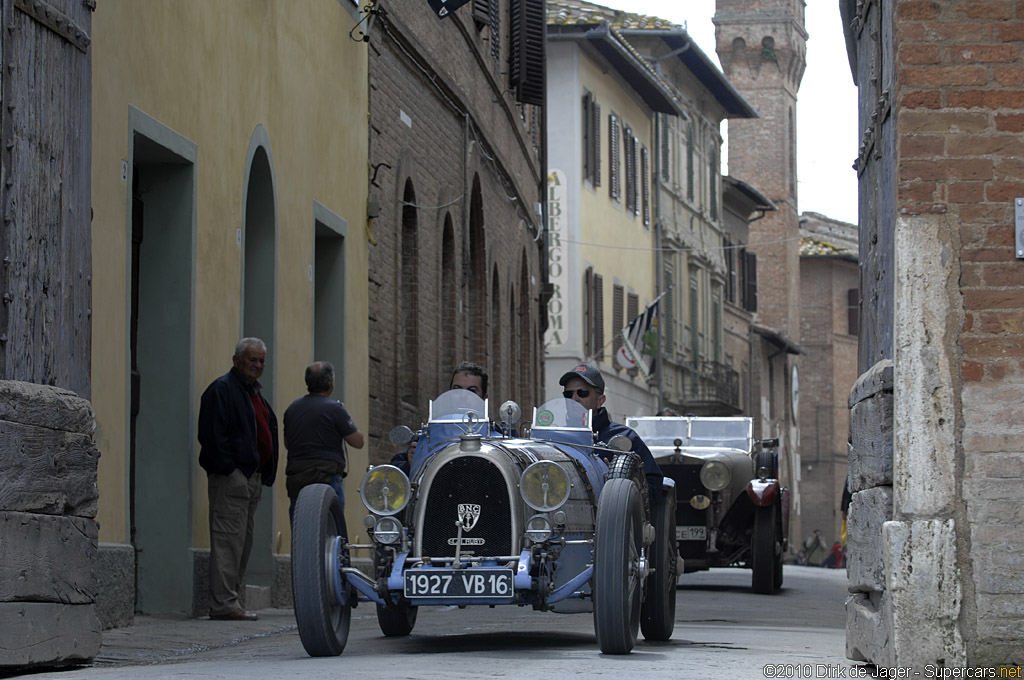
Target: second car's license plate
<point>691,533</point>
<point>474,583</point>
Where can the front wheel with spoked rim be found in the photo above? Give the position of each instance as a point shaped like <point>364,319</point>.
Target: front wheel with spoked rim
<point>323,611</point>
<point>618,553</point>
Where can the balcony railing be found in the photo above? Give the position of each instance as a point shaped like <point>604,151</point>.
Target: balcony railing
<point>710,385</point>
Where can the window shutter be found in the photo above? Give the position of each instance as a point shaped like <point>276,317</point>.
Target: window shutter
<point>481,13</point>
<point>853,311</point>
<point>588,310</point>
<point>526,50</point>
<point>750,281</point>
<point>588,137</point>
<point>632,307</point>
<point>495,16</point>
<point>713,182</point>
<point>629,151</point>
<point>667,311</point>
<point>617,322</point>
<point>614,188</point>
<point>666,160</point>
<point>595,144</point>
<point>730,270</point>
<point>689,162</point>
<point>645,185</point>
<point>598,350</point>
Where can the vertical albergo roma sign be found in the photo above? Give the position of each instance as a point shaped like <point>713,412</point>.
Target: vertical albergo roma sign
<point>558,275</point>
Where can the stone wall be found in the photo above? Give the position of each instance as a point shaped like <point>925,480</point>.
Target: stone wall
<point>868,610</point>
<point>48,529</point>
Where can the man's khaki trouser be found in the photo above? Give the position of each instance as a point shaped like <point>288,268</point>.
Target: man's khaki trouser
<point>233,503</point>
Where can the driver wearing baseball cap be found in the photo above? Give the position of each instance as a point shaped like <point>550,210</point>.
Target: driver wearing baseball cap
<point>585,385</point>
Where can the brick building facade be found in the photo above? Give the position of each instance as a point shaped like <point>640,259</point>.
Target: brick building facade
<point>456,183</point>
<point>829,323</point>
<point>936,460</point>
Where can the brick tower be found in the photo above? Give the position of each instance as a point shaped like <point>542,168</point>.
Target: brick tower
<point>762,46</point>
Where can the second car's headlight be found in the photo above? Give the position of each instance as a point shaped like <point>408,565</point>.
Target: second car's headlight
<point>385,490</point>
<point>544,486</point>
<point>387,530</point>
<point>715,475</point>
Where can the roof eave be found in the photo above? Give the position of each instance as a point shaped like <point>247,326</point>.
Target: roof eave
<point>654,92</point>
<point>701,66</point>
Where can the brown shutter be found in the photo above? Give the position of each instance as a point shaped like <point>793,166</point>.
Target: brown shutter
<point>588,137</point>
<point>596,142</point>
<point>853,311</point>
<point>614,184</point>
<point>750,281</point>
<point>495,30</point>
<point>526,50</point>
<point>588,310</point>
<point>482,12</point>
<point>617,322</point>
<point>598,350</point>
<point>645,185</point>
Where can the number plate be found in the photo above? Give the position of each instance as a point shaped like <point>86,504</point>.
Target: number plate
<point>461,583</point>
<point>691,533</point>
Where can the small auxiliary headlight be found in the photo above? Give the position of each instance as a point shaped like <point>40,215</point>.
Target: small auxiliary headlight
<point>544,486</point>
<point>715,475</point>
<point>538,529</point>
<point>385,489</point>
<point>387,530</point>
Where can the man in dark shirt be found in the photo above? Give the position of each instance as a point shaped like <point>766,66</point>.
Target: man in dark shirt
<point>238,450</point>
<point>585,384</point>
<point>316,430</point>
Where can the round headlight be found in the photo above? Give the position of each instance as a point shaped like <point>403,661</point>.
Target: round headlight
<point>715,475</point>
<point>387,530</point>
<point>544,486</point>
<point>385,489</point>
<point>538,529</point>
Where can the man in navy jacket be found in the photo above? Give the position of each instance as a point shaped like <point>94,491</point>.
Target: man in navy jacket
<point>238,439</point>
<point>585,384</point>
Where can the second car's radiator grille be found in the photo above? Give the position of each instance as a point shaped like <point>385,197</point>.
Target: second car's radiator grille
<point>478,486</point>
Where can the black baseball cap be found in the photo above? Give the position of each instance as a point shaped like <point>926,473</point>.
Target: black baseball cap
<point>587,373</point>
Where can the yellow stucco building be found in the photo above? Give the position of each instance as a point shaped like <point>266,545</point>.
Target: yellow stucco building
<point>229,186</point>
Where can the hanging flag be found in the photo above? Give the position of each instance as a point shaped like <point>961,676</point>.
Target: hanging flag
<point>443,7</point>
<point>640,341</point>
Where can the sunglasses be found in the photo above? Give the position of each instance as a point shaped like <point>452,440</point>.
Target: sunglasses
<point>584,392</point>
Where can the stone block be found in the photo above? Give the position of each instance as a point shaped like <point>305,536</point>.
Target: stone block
<point>871,442</point>
<point>47,471</point>
<point>875,380</point>
<point>922,582</point>
<point>869,510</point>
<point>47,633</point>
<point>45,406</point>
<point>47,558</point>
<point>868,621</point>
<point>115,601</point>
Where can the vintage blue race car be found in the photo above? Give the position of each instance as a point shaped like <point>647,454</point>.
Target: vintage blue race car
<point>551,519</point>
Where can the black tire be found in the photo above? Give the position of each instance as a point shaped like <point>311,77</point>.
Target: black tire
<point>765,551</point>
<point>396,620</point>
<point>617,586</point>
<point>658,611</point>
<point>323,617</point>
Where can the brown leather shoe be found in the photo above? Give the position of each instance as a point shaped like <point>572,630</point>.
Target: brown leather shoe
<point>235,615</point>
